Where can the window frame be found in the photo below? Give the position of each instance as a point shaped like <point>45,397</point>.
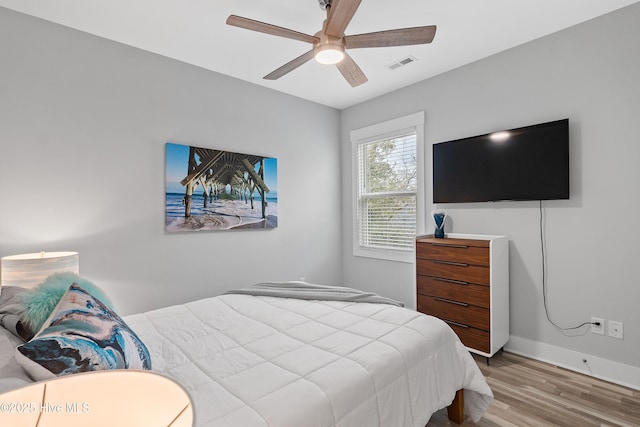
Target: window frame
<point>377,132</point>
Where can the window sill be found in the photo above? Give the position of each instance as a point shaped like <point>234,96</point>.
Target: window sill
<point>405,257</point>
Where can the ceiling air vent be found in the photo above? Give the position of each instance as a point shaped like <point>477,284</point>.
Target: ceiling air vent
<point>405,61</point>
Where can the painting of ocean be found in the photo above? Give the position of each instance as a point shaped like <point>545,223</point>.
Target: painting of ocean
<point>210,190</point>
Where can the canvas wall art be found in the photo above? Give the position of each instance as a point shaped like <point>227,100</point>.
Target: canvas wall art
<point>211,190</point>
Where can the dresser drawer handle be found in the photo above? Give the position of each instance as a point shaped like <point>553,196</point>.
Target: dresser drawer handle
<point>459,264</point>
<point>457,324</point>
<point>457,282</point>
<point>451,301</point>
<point>450,245</point>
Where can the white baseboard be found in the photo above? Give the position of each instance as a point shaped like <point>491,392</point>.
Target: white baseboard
<point>597,367</point>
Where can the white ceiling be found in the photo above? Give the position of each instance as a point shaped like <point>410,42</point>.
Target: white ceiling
<point>194,31</point>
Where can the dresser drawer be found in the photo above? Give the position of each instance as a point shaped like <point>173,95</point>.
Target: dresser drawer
<point>454,311</point>
<point>472,337</point>
<point>453,270</point>
<point>460,251</point>
<point>470,293</point>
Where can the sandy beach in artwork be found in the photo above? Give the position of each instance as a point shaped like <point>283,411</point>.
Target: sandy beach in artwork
<point>221,214</point>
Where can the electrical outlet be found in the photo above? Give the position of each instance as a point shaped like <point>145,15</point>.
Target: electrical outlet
<point>599,328</point>
<point>616,329</point>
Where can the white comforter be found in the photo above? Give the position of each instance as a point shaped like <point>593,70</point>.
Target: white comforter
<point>264,361</point>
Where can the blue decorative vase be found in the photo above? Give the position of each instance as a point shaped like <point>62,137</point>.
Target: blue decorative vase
<point>438,218</point>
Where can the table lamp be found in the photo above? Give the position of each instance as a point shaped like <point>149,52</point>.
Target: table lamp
<point>29,270</point>
<point>120,397</point>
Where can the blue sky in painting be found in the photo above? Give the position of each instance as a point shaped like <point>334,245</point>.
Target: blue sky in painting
<point>177,159</point>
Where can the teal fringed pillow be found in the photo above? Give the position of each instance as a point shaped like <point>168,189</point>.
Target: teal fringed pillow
<point>40,301</point>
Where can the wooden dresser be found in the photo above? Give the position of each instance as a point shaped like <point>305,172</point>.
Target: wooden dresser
<point>464,280</point>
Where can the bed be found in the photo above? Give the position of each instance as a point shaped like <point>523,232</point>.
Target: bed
<point>260,360</point>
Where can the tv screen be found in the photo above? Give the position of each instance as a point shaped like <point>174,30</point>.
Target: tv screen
<point>527,163</point>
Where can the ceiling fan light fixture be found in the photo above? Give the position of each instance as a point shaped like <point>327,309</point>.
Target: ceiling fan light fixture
<point>329,53</point>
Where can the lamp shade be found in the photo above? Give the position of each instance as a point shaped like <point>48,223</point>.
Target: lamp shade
<point>29,270</point>
<point>121,397</point>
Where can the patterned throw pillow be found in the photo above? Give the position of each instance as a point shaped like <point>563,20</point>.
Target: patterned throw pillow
<point>82,334</point>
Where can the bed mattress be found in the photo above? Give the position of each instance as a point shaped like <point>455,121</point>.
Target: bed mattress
<point>266,361</point>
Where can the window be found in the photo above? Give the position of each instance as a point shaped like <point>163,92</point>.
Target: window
<point>388,177</point>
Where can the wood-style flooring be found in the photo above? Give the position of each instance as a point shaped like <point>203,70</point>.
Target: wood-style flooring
<point>531,393</point>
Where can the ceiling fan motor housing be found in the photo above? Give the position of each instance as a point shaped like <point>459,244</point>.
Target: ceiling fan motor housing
<point>324,4</point>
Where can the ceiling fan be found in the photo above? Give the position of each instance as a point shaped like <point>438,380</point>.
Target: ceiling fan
<point>330,43</point>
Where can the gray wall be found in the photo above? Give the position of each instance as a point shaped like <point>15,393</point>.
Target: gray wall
<point>588,73</point>
<point>83,123</point>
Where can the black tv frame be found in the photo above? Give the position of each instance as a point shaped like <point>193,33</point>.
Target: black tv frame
<point>531,164</point>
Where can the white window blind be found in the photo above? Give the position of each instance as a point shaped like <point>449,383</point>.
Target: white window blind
<point>387,177</point>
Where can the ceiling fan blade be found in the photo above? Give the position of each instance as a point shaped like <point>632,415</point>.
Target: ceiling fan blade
<point>289,66</point>
<point>351,71</point>
<point>399,37</point>
<point>340,14</point>
<point>263,27</point>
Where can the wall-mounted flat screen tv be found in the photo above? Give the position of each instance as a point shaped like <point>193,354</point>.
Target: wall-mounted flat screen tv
<point>527,163</point>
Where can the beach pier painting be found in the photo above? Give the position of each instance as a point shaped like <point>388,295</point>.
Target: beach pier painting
<point>209,190</point>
